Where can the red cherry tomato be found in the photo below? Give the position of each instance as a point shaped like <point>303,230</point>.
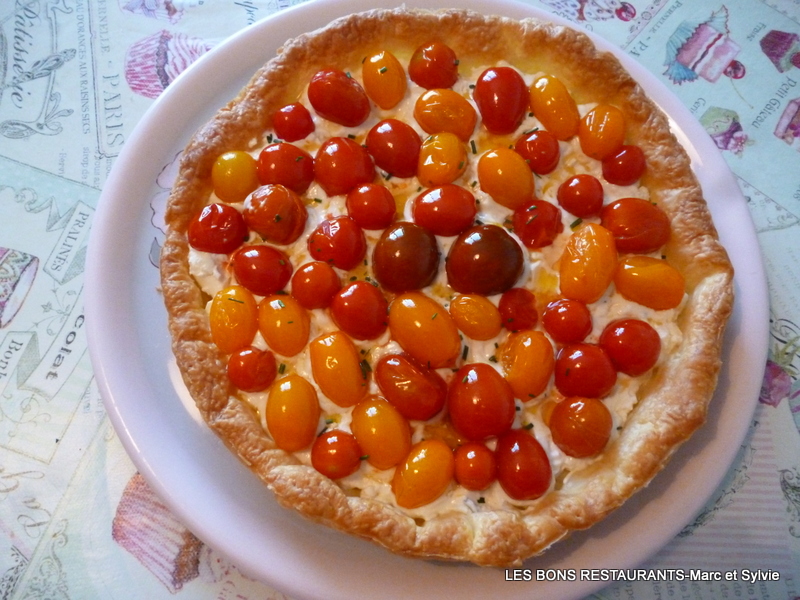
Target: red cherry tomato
<point>540,150</point>
<point>445,210</point>
<point>624,167</point>
<point>633,345</point>
<point>263,270</point>
<point>336,454</point>
<point>314,285</point>
<point>287,165</point>
<point>360,310</point>
<point>338,241</point>
<point>484,260</point>
<point>580,426</point>
<point>275,213</point>
<point>582,195</point>
<point>433,65</point>
<point>584,370</point>
<point>372,206</point>
<point>476,467</point>
<point>251,369</point>
<point>341,165</point>
<point>480,402</point>
<point>502,98</point>
<point>567,321</point>
<point>395,147</point>
<point>406,257</point>
<point>518,309</point>
<point>292,122</point>
<point>538,224</point>
<point>523,469</point>
<point>336,96</point>
<point>637,225</point>
<point>217,228</point>
<point>416,393</point>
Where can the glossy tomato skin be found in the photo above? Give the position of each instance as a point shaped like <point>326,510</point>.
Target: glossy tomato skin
<point>337,369</point>
<point>275,213</point>
<point>475,466</point>
<point>292,413</point>
<point>338,241</point>
<point>342,164</point>
<point>540,150</point>
<point>292,122</point>
<point>625,167</point>
<point>417,393</point>
<point>484,260</point>
<point>523,469</point>
<point>371,206</point>
<point>554,106</point>
<point>476,316</point>
<point>588,263</point>
<point>445,210</point>
<point>502,99</point>
<point>581,195</point>
<point>406,257</point>
<point>233,318</point>
<point>338,97</point>
<point>424,475</point>
<point>480,402</point>
<point>314,284</point>
<point>382,432</point>
<point>567,321</point>
<point>637,225</point>
<point>360,310</point>
<point>336,454</point>
<point>234,175</point>
<point>445,111</point>
<point>581,427</point>
<point>217,228</point>
<point>518,309</point>
<point>425,330</point>
<point>602,131</point>
<point>394,145</point>
<point>251,369</point>
<point>649,281</point>
<point>584,370</point>
<point>384,79</point>
<point>633,345</point>
<point>442,159</point>
<point>287,165</point>
<point>263,270</point>
<point>284,324</point>
<point>538,224</point>
<point>506,177</point>
<point>433,65</point>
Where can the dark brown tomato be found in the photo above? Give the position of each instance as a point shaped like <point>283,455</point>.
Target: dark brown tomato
<point>484,260</point>
<point>406,257</point>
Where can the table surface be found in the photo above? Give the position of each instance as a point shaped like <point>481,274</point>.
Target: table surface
<point>69,99</point>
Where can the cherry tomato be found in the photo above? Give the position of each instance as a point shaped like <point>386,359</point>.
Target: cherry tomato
<point>284,324</point>
<point>588,263</point>
<point>424,329</point>
<point>292,122</point>
<point>337,369</point>
<point>445,210</point>
<point>580,426</point>
<point>506,177</point>
<point>263,270</point>
<point>484,260</point>
<point>480,402</point>
<point>338,241</point>
<point>336,96</point>
<point>540,150</point>
<point>314,284</point>
<point>424,475</point>
<point>275,213</point>
<point>384,79</point>
<point>602,131</point>
<point>394,145</point>
<point>287,165</point>
<point>292,413</point>
<point>625,166</point>
<point>649,281</point>
<point>538,224</point>
<point>360,310</point>
<point>475,466</point>
<point>381,431</point>
<point>523,469</point>
<point>528,361</point>
<point>417,393</point>
<point>371,206</point>
<point>341,165</point>
<point>518,309</point>
<point>476,316</point>
<point>442,159</point>
<point>217,228</point>
<point>567,321</point>
<point>502,98</point>
<point>633,345</point>
<point>233,319</point>
<point>637,225</point>
<point>405,258</point>
<point>584,370</point>
<point>553,105</point>
<point>234,175</point>
<point>251,369</point>
<point>440,110</point>
<point>433,65</point>
<point>336,454</point>
<point>582,195</point>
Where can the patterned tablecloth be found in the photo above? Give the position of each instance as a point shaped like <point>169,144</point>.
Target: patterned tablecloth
<point>77,75</point>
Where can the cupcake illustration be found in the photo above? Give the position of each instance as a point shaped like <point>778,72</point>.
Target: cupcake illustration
<point>152,63</point>
<point>163,10</point>
<point>17,273</point>
<point>782,48</point>
<point>725,128</point>
<point>593,10</point>
<point>788,128</point>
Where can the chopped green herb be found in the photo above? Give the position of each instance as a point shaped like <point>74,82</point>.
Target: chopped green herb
<point>382,70</point>
<point>465,353</point>
<point>528,426</point>
<point>481,500</point>
<point>493,358</point>
<point>473,146</point>
<point>281,368</point>
<point>575,223</point>
<point>236,300</point>
<point>277,218</point>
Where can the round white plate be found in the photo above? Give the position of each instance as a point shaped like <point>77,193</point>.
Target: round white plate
<point>224,504</point>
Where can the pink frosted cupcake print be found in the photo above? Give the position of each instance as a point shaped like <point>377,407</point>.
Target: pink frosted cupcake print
<point>17,272</point>
<point>782,48</point>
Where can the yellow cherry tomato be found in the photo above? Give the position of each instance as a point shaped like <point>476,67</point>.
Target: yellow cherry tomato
<point>602,131</point>
<point>528,361</point>
<point>233,318</point>
<point>292,413</point>
<point>337,369</point>
<point>476,316</point>
<point>553,105</point>
<point>381,431</point>
<point>442,159</point>
<point>443,110</point>
<point>588,263</point>
<point>384,79</point>
<point>649,281</point>
<point>424,329</point>
<point>424,475</point>
<point>506,177</point>
<point>234,175</point>
<point>284,323</point>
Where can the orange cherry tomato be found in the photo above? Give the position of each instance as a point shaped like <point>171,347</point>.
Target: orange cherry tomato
<point>528,361</point>
<point>217,228</point>
<point>538,223</point>
<point>502,98</point>
<point>580,427</point>
<point>585,370</point>
<point>567,321</point>
<point>442,159</point>
<point>251,369</point>
<point>381,431</point>
<point>476,316</point>
<point>633,345</point>
<point>234,175</point>
<point>292,122</point>
<point>425,474</point>
<point>424,329</point>
<point>338,97</point>
<point>523,468</point>
<point>314,284</point>
<point>337,369</point>
<point>336,454</point>
<point>287,165</point>
<point>553,105</point>
<point>475,466</point>
<point>292,413</point>
<point>649,281</point>
<point>602,131</point>
<point>588,263</point>
<point>440,110</point>
<point>480,402</point>
<point>275,213</point>
<point>506,177</point>
<point>417,393</point>
<point>384,79</point>
<point>637,225</point>
<point>433,65</point>
<point>284,323</point>
<point>233,318</point>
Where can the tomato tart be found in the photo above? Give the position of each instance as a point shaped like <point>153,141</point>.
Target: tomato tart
<point>445,281</point>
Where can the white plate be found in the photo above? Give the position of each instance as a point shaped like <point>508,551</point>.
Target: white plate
<point>226,506</point>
